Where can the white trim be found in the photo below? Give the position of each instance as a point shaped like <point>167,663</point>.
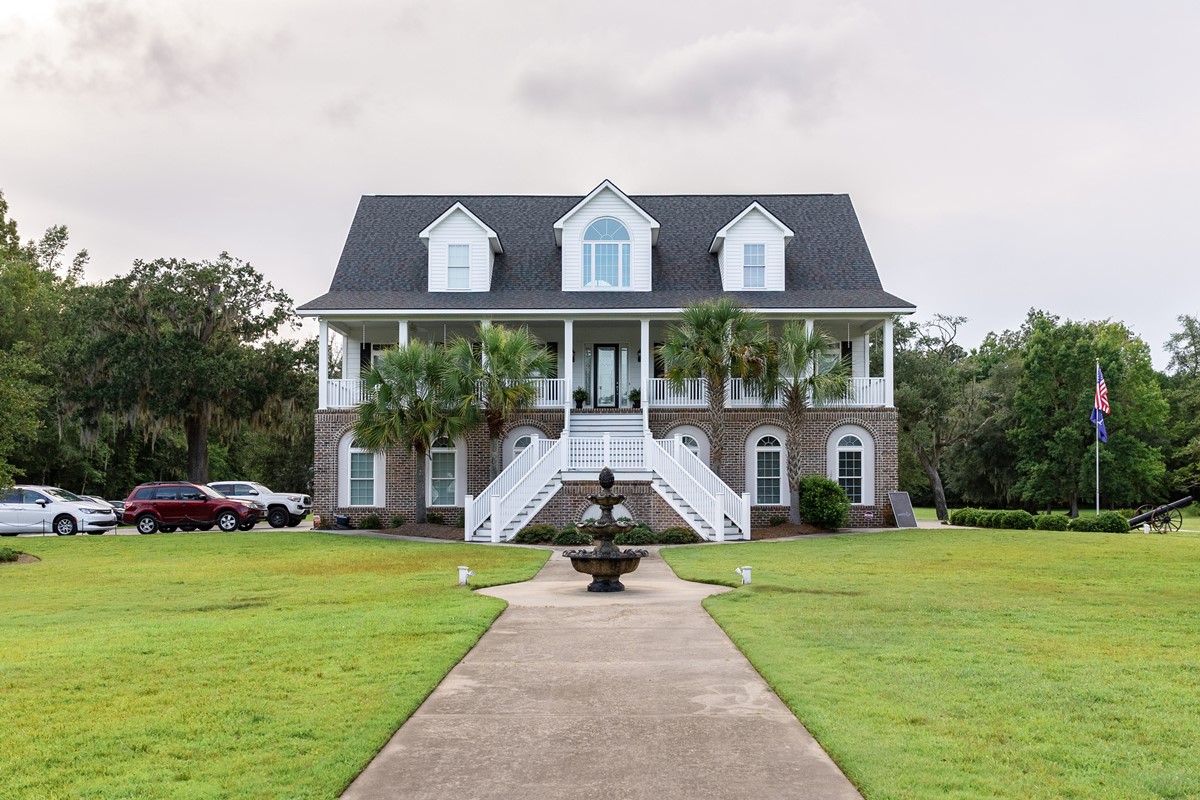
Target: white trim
<point>868,458</point>
<point>460,473</point>
<point>493,237</point>
<point>755,206</point>
<point>751,451</point>
<point>471,314</point>
<point>606,184</point>
<point>345,447</point>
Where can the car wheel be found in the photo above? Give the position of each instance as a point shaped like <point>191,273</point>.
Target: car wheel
<point>168,528</point>
<point>227,521</point>
<point>278,517</point>
<point>147,524</point>
<point>7,534</point>
<point>95,533</point>
<point>64,525</point>
<point>188,528</point>
<point>245,526</point>
<point>294,521</point>
<point>207,527</point>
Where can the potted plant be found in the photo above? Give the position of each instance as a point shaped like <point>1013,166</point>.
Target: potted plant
<point>635,397</point>
<point>580,395</point>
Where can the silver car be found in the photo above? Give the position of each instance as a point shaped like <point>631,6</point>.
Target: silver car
<point>48,509</point>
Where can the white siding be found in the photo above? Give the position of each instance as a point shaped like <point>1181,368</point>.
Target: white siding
<point>754,228</point>
<point>606,204</point>
<point>458,228</point>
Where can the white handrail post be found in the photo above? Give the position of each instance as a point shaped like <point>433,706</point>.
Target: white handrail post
<point>495,518</point>
<point>468,517</point>
<point>607,445</point>
<point>720,515</point>
<point>566,450</point>
<point>746,514</point>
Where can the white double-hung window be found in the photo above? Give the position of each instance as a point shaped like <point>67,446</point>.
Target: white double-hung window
<point>458,266</point>
<point>443,469</point>
<point>606,255</point>
<point>754,266</point>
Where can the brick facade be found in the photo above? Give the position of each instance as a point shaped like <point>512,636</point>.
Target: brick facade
<point>644,503</point>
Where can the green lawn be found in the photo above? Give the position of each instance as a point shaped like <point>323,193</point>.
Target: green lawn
<point>249,665</point>
<point>979,664</point>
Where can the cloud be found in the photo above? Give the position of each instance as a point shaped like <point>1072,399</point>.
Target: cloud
<point>111,47</point>
<point>717,79</point>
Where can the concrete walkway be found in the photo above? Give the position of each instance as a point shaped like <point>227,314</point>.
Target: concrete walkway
<point>616,696</point>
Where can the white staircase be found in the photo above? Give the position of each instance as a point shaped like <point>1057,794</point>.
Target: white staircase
<point>621,442</point>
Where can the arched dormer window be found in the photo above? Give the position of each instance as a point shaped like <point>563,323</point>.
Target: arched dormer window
<point>605,257</point>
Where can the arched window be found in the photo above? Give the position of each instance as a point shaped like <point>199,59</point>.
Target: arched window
<point>360,474</point>
<point>768,471</point>
<point>443,473</point>
<point>605,257</point>
<point>521,443</point>
<point>851,460</point>
<point>689,441</point>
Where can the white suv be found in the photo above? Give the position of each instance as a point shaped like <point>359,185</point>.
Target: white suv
<point>48,509</point>
<point>284,509</point>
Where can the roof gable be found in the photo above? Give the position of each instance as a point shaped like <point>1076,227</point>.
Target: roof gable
<point>493,237</point>
<point>612,187</point>
<point>719,240</point>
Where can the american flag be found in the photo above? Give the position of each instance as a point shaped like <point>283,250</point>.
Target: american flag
<point>1101,391</point>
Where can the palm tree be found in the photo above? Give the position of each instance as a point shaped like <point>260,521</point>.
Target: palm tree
<point>806,375</point>
<point>497,371</point>
<point>412,401</point>
<point>717,340</point>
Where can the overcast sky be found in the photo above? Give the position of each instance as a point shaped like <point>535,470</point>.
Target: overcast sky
<point>1001,156</point>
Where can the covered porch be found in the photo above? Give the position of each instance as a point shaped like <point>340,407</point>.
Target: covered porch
<point>608,361</point>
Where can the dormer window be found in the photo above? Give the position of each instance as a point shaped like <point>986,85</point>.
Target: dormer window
<point>458,266</point>
<point>754,266</point>
<point>606,255</point>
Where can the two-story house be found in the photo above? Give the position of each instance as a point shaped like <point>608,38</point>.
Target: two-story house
<point>599,279</point>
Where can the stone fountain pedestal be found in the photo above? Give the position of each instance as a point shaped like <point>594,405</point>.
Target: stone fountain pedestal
<point>607,562</point>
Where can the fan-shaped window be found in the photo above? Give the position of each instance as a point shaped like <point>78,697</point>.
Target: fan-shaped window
<point>520,444</point>
<point>606,254</point>
<point>850,441</point>
<point>691,444</point>
<point>768,462</point>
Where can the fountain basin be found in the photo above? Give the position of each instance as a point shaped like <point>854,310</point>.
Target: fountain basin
<point>606,569</point>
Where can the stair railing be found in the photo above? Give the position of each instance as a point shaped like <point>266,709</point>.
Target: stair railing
<point>734,506</point>
<point>478,509</point>
<point>506,507</point>
<point>708,506</point>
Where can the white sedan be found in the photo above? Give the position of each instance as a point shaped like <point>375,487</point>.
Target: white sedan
<point>48,509</point>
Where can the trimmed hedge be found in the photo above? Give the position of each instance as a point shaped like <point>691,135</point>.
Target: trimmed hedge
<point>572,538</point>
<point>536,534</point>
<point>635,536</point>
<point>1051,522</point>
<point>823,503</point>
<point>679,536</point>
<point>369,523</point>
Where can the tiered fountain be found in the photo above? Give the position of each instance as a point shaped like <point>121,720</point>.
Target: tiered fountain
<point>607,562</point>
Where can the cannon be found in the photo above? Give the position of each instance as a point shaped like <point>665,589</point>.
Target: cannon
<point>1163,519</point>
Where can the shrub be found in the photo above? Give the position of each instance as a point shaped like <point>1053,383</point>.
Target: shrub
<point>8,554</point>
<point>570,526</point>
<point>776,521</point>
<point>572,538</point>
<point>1083,524</point>
<point>959,516</point>
<point>398,521</point>
<point>635,536</point>
<point>1111,522</point>
<point>1018,520</point>
<point>679,536</point>
<point>823,503</point>
<point>1051,522</point>
<point>369,523</point>
<point>536,534</point>
<point>435,518</point>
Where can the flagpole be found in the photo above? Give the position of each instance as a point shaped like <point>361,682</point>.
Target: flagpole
<point>1097,427</point>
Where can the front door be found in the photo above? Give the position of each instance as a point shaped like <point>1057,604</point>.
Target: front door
<point>607,389</point>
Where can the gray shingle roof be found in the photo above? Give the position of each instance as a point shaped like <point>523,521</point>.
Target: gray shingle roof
<point>385,266</point>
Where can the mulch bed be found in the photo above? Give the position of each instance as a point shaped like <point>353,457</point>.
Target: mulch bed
<point>23,558</point>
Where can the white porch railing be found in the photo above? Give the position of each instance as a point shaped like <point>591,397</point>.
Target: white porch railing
<point>691,490</point>
<point>523,478</point>
<point>733,505</point>
<point>863,392</point>
<point>548,392</point>
<point>614,452</point>
<point>344,392</point>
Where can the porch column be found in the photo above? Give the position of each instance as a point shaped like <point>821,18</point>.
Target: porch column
<point>351,358</point>
<point>402,333</point>
<point>323,364</point>
<point>568,372</point>
<point>889,394</point>
<point>647,360</point>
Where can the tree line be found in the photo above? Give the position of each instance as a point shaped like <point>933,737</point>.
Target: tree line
<point>1006,425</point>
<point>175,368</point>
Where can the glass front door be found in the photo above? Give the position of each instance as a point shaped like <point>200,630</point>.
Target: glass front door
<point>607,387</point>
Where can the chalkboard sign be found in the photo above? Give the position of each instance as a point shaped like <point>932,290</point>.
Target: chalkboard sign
<point>902,510</point>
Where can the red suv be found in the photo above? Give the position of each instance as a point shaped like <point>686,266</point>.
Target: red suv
<point>166,506</point>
